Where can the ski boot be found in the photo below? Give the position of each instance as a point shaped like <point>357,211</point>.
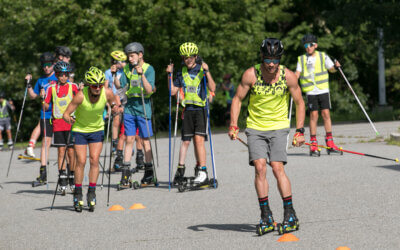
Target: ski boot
<point>91,199</point>
<point>118,162</point>
<point>332,147</point>
<point>201,176</point>
<point>29,152</point>
<point>1,147</point>
<point>114,145</point>
<point>126,181</point>
<point>63,182</point>
<point>10,145</point>
<point>266,225</point>
<point>140,160</point>
<point>179,175</point>
<point>78,200</point>
<point>148,177</point>
<point>290,222</point>
<point>71,182</point>
<point>42,179</point>
<point>314,149</point>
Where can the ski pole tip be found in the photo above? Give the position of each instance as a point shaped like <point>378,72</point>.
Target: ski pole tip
<point>397,159</point>
<point>377,134</point>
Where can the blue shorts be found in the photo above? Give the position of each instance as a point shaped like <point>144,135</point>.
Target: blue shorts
<point>86,138</point>
<point>132,122</point>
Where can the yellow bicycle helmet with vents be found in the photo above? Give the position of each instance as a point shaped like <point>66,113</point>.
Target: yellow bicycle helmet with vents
<point>188,49</point>
<point>95,76</point>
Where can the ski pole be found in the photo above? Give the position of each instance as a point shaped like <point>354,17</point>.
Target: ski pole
<point>62,164</point>
<point>359,103</point>
<point>357,153</point>
<point>154,128</point>
<point>148,134</point>
<point>109,167</point>
<point>169,129</point>
<point>209,132</point>
<point>242,141</point>
<point>175,130</point>
<point>45,141</point>
<point>105,149</point>
<point>19,124</point>
<point>290,119</point>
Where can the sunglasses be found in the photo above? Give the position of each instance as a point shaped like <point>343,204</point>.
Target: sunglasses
<point>188,57</point>
<point>49,64</point>
<point>97,86</point>
<point>274,61</point>
<point>308,45</point>
<point>63,74</point>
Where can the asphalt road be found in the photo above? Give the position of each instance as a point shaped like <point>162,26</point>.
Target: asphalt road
<point>347,200</point>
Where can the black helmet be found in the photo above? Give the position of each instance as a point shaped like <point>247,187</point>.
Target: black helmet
<point>63,51</point>
<point>2,95</point>
<point>62,67</point>
<point>309,38</point>
<point>46,57</point>
<point>272,47</point>
<point>134,48</point>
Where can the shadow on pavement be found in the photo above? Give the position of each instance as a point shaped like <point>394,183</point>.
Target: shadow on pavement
<point>225,227</point>
<point>23,182</point>
<point>68,208</point>
<point>298,154</point>
<point>35,191</point>
<point>392,167</point>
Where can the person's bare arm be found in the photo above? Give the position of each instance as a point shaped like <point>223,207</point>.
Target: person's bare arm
<point>112,101</point>
<point>76,101</point>
<point>295,91</point>
<point>210,80</point>
<point>170,70</point>
<point>248,79</point>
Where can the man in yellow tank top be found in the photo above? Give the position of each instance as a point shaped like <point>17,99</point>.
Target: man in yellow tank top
<point>270,85</point>
<point>88,130</point>
<point>312,69</point>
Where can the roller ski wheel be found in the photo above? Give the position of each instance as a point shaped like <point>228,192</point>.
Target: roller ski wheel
<point>122,186</point>
<point>62,190</point>
<point>315,152</point>
<point>135,185</point>
<point>78,203</point>
<point>286,229</point>
<point>331,150</point>
<point>91,201</point>
<point>149,182</point>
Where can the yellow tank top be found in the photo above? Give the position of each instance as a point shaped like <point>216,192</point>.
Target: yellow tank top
<point>268,104</point>
<point>89,116</point>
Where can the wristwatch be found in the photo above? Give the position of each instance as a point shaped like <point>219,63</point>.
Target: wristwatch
<point>300,130</point>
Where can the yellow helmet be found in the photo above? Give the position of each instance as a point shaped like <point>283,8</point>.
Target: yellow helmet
<point>188,49</point>
<point>118,55</point>
<point>94,76</point>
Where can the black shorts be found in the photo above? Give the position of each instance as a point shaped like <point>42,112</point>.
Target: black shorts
<point>194,123</point>
<point>318,102</point>
<point>49,128</point>
<point>61,138</point>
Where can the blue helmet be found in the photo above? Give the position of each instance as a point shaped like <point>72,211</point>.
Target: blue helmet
<point>62,67</point>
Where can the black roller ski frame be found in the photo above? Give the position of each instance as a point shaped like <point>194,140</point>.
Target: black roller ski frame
<point>130,184</point>
<point>25,157</point>
<point>187,183</point>
<point>315,153</point>
<point>331,150</point>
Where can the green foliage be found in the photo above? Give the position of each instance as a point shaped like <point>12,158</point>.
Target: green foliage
<point>228,34</point>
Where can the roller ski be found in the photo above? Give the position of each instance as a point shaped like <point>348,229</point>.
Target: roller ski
<point>200,181</point>
<point>140,160</point>
<point>10,145</point>
<point>290,222</point>
<point>29,152</point>
<point>314,149</point>
<point>63,182</point>
<point>71,182</point>
<point>148,177</point>
<point>126,181</point>
<point>24,157</point>
<point>331,147</point>
<point>266,225</point>
<point>91,199</point>
<point>78,201</point>
<point>42,179</point>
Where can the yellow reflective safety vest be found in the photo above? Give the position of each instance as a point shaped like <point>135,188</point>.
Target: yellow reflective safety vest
<point>192,86</point>
<point>3,108</point>
<point>321,75</point>
<point>135,86</point>
<point>268,103</point>
<point>60,104</point>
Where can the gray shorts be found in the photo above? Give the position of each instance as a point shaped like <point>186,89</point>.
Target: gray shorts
<point>5,124</point>
<point>269,145</point>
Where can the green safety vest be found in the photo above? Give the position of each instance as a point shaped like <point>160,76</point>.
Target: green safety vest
<point>192,86</point>
<point>268,103</point>
<point>60,104</point>
<point>321,75</point>
<point>3,108</point>
<point>135,86</point>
